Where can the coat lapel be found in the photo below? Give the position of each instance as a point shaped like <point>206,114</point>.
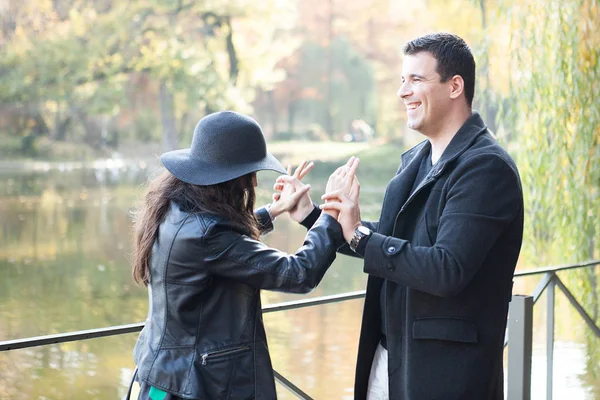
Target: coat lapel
<point>398,189</point>
<point>398,194</point>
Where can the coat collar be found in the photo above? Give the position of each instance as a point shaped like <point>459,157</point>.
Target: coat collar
<point>398,194</point>
<point>462,140</point>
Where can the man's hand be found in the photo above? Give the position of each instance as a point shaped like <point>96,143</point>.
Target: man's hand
<point>342,178</point>
<point>286,196</point>
<point>341,181</point>
<point>346,204</point>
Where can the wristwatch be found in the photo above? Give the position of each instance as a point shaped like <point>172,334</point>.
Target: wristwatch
<point>359,233</point>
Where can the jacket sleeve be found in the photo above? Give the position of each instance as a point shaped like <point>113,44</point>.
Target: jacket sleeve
<point>484,197</point>
<point>345,247</point>
<point>231,254</point>
<point>265,223</point>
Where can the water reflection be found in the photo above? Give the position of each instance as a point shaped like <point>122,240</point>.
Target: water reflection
<point>64,266</point>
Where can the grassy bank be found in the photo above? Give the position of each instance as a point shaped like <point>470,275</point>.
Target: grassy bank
<point>44,149</point>
<point>379,161</point>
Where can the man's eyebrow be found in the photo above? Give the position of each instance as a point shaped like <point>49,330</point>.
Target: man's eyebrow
<point>413,76</point>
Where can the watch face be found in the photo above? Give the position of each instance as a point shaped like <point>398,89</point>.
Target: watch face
<point>364,230</point>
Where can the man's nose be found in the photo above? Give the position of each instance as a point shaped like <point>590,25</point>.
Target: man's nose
<point>403,91</point>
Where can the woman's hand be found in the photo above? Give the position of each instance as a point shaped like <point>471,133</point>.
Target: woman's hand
<point>292,195</point>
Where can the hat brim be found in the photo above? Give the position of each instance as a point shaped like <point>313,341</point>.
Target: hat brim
<point>198,172</point>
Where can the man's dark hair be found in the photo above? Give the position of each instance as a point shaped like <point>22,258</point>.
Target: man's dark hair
<point>453,57</point>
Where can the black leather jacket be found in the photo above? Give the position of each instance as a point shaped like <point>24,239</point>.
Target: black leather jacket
<point>204,336</point>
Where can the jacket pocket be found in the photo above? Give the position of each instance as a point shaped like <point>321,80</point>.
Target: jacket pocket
<point>450,329</point>
<point>227,373</point>
<point>215,356</point>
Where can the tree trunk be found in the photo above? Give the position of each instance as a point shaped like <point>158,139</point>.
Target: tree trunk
<point>167,113</point>
<point>92,127</point>
<point>40,128</point>
<point>291,115</point>
<point>8,23</point>
<point>183,123</point>
<point>329,66</point>
<point>60,131</point>
<point>489,110</point>
<point>62,123</point>
<point>233,59</point>
<point>272,112</point>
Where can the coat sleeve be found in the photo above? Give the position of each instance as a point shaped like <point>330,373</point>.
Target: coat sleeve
<point>231,254</point>
<point>344,248</point>
<point>484,197</point>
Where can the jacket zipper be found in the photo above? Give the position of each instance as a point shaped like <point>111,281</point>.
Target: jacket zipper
<point>222,353</point>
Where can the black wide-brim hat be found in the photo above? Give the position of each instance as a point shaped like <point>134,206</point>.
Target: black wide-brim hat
<point>225,146</point>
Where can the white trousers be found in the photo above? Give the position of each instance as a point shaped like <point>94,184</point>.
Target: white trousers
<point>378,379</point>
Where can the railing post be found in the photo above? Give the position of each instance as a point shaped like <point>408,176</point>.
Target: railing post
<point>520,326</point>
<point>550,339</point>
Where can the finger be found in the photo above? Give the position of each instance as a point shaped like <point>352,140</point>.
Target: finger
<point>276,197</point>
<point>290,180</point>
<point>339,197</point>
<point>299,168</point>
<point>285,179</point>
<point>347,168</point>
<point>278,186</point>
<point>299,193</point>
<point>306,170</point>
<point>336,194</point>
<point>289,169</point>
<point>350,179</point>
<point>355,191</point>
<point>354,166</point>
<point>332,206</point>
<point>296,184</point>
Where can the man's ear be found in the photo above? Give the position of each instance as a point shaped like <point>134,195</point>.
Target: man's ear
<point>457,86</point>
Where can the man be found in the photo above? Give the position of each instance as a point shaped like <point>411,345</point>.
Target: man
<point>442,255</point>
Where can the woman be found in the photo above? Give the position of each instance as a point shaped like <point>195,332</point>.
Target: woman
<point>197,249</point>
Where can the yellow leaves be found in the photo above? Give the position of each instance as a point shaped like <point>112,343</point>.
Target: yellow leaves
<point>77,22</point>
<point>80,21</point>
<point>117,58</point>
<point>19,33</point>
<point>149,35</point>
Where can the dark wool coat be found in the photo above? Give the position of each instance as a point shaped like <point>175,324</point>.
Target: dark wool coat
<point>448,289</point>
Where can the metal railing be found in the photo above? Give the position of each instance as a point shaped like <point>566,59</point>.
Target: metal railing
<point>520,329</point>
<point>520,325</point>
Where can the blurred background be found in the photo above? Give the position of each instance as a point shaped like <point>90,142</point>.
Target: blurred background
<point>91,92</point>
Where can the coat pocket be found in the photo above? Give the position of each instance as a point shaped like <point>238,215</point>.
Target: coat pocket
<point>450,329</point>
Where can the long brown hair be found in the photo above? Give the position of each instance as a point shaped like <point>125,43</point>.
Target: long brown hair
<point>233,200</point>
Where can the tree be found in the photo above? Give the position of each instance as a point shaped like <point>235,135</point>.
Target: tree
<point>555,107</point>
<point>75,59</point>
